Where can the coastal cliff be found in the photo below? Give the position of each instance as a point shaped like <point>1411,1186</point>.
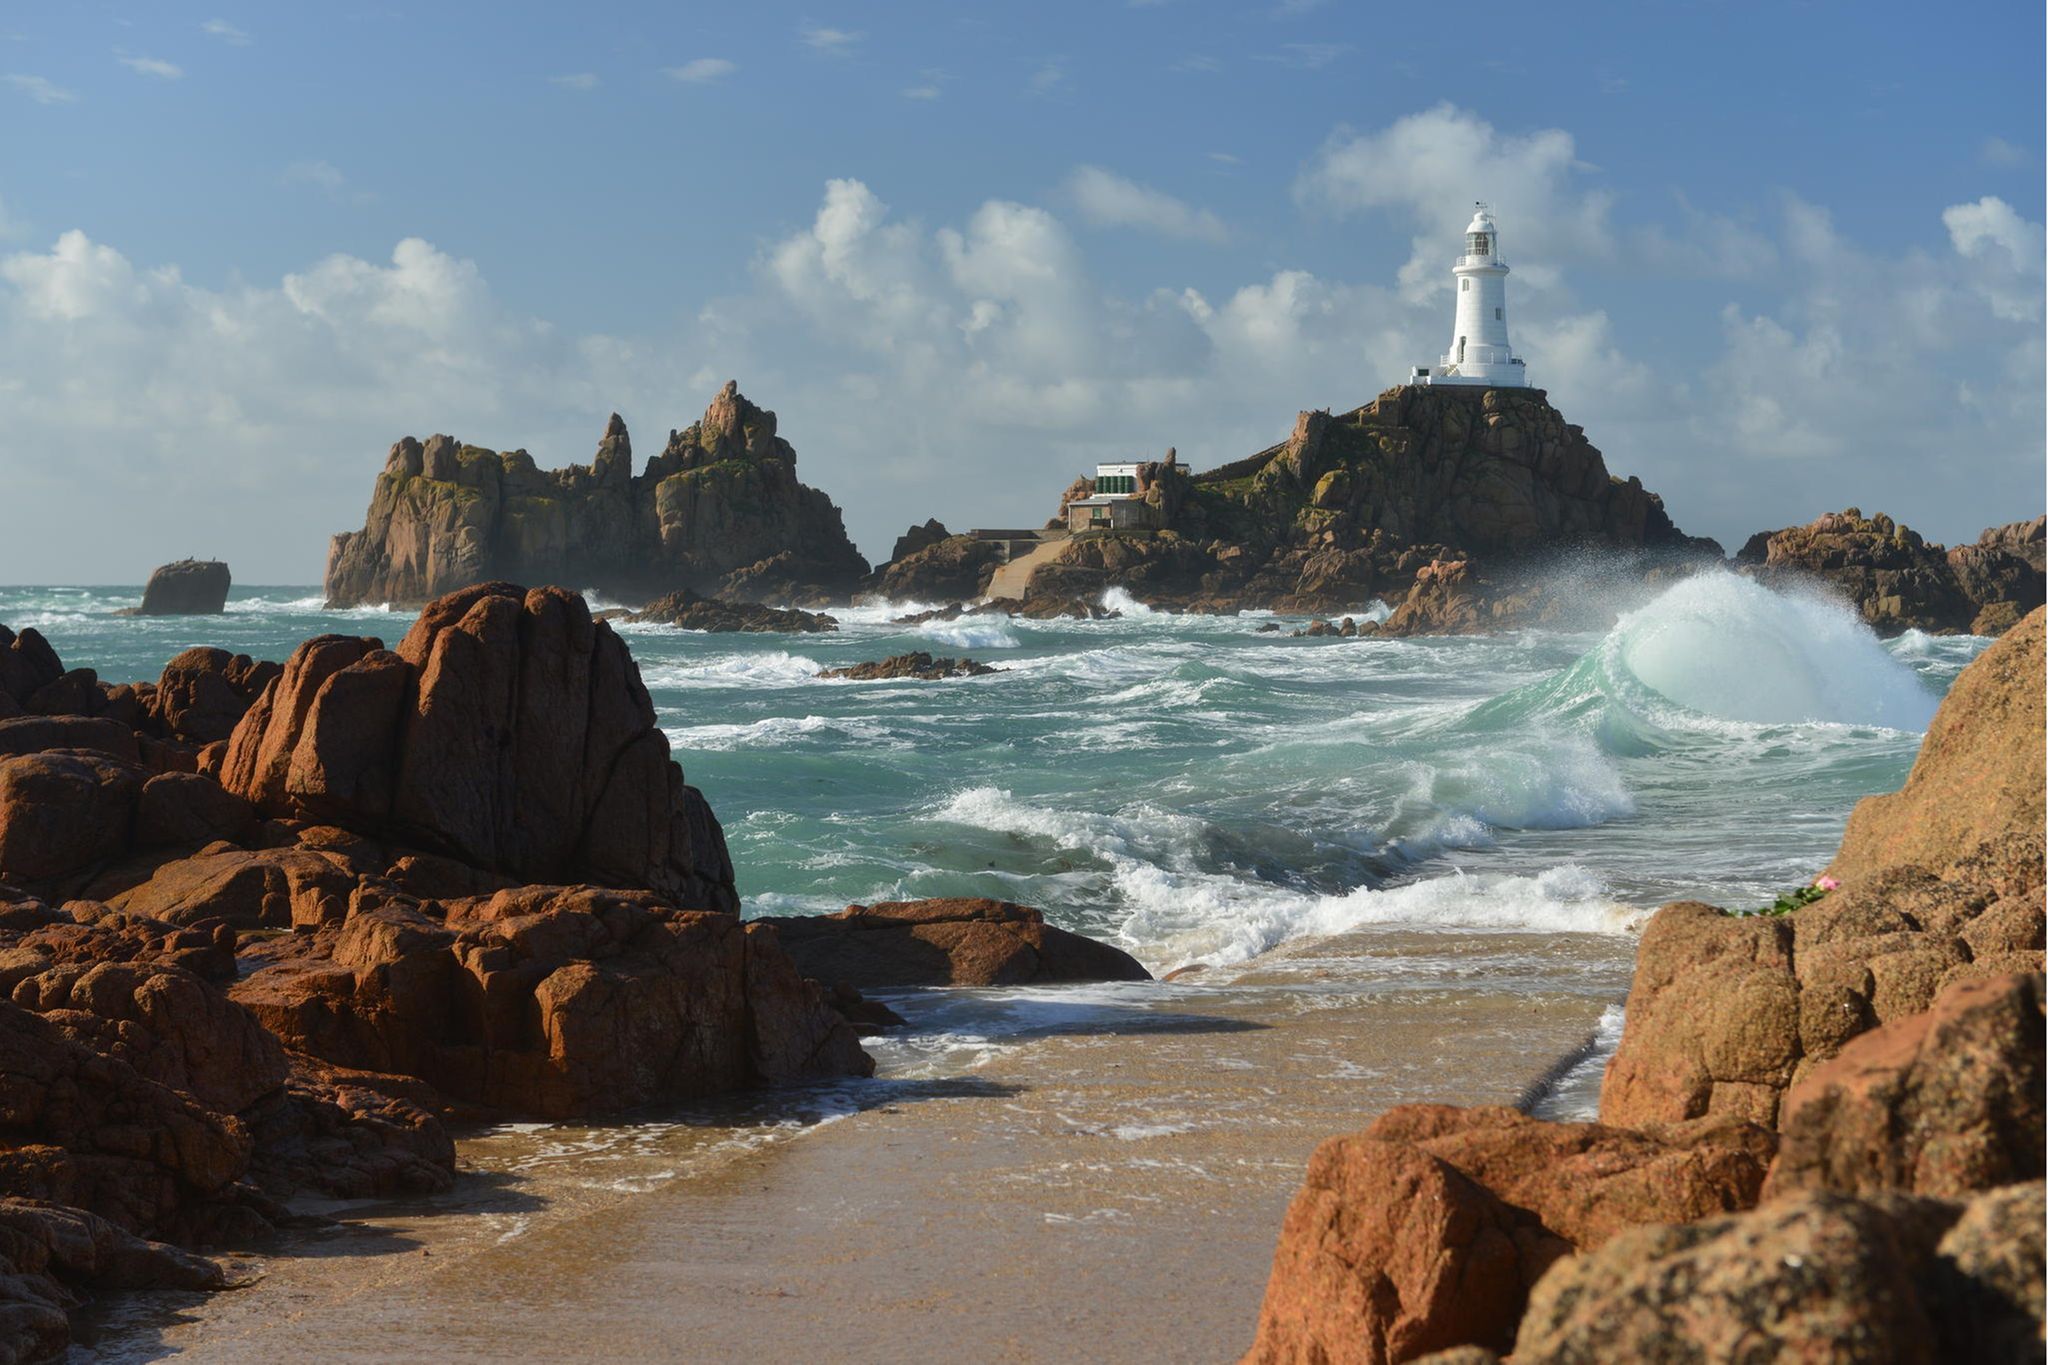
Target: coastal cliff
<point>719,511</point>
<point>1355,504</point>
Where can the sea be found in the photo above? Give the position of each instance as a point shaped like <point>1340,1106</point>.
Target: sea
<point>1381,869</point>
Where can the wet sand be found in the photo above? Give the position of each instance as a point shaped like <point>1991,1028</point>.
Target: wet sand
<point>1051,1174</point>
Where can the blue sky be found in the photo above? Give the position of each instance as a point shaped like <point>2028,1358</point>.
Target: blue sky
<point>1776,259</point>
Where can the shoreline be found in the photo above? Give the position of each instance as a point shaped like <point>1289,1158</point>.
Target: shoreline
<point>1106,1182</point>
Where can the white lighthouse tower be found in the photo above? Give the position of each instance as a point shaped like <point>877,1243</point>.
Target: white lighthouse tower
<point>1479,354</point>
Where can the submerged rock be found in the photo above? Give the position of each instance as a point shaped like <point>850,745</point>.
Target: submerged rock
<point>918,665</point>
<point>689,611</point>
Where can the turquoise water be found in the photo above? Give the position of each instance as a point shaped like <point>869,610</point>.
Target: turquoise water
<point>1197,790</point>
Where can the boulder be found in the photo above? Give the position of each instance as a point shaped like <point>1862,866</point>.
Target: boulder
<point>1811,1277</point>
<point>508,731</point>
<point>1425,1231</point>
<point>204,692</point>
<point>946,943</point>
<point>63,811</point>
<point>349,1135</point>
<point>917,665</point>
<point>27,665</point>
<point>1946,1102</point>
<point>1979,773</point>
<point>720,510</point>
<point>190,587</point>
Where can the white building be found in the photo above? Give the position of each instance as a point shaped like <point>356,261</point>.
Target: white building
<point>1479,354</point>
<point>1117,504</point>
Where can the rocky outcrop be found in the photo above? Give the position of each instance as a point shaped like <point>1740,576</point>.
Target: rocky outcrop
<point>918,665</point>
<point>953,568</point>
<point>508,731</point>
<point>688,611</point>
<point>557,1002</point>
<point>947,943</point>
<point>1898,581</point>
<point>719,511</point>
<point>917,538</point>
<point>1352,506</point>
<point>190,587</point>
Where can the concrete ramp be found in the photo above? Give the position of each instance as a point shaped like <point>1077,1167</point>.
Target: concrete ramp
<point>1014,577</point>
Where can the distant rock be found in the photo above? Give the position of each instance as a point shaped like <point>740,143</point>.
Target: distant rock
<point>948,568</point>
<point>917,538</point>
<point>719,511</point>
<point>1352,505</point>
<point>190,587</point>
<point>918,665</point>
<point>1898,581</point>
<point>691,612</point>
<point>946,943</point>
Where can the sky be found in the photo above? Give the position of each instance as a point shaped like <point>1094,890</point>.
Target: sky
<point>1776,259</point>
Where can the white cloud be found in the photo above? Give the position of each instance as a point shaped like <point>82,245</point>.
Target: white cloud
<point>1107,199</point>
<point>922,92</point>
<point>39,89</point>
<point>1996,151</point>
<point>700,70</point>
<point>1049,78</point>
<point>834,40</point>
<point>152,66</point>
<point>575,80</point>
<point>1430,167</point>
<point>226,32</point>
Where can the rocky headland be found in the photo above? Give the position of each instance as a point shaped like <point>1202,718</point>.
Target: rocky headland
<point>719,511</point>
<point>1821,1135</point>
<point>190,587</point>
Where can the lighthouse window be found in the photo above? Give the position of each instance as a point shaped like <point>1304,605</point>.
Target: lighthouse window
<point>1465,285</point>
<point>1478,245</point>
<point>1496,315</point>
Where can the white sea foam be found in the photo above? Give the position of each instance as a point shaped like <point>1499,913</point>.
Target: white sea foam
<point>1120,600</point>
<point>970,633</point>
<point>783,731</point>
<point>777,669</point>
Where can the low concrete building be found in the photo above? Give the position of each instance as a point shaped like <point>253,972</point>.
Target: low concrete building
<point>1117,504</point>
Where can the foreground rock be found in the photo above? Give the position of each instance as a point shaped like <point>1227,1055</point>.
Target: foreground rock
<point>719,511</point>
<point>947,943</point>
<point>918,665</point>
<point>1820,1277</point>
<point>689,611</point>
<point>508,731</point>
<point>1900,582</point>
<point>190,587</point>
<point>1426,1230</point>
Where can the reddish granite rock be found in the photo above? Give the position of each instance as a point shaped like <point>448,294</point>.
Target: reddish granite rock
<point>947,943</point>
<point>185,810</point>
<point>204,692</point>
<point>947,569</point>
<point>349,1135</point>
<point>1946,1102</point>
<point>1345,1283</point>
<point>508,731</point>
<point>273,888</point>
<point>556,1002</point>
<point>1386,1254</point>
<point>1809,1277</point>
<point>27,663</point>
<point>33,734</point>
<point>62,811</point>
<point>80,1128</point>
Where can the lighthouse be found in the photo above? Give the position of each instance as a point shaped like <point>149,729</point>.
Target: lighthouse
<point>1479,353</point>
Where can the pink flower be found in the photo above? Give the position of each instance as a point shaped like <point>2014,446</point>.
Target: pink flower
<point>1826,883</point>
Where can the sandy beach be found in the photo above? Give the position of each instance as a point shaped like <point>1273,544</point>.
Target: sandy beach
<point>1044,1174</point>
